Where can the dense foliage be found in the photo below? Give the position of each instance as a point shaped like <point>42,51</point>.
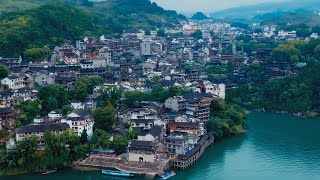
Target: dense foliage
<point>30,32</point>
<point>197,34</point>
<point>60,150</point>
<point>53,97</point>
<point>4,71</point>
<point>21,33</point>
<point>294,94</point>
<point>84,86</point>
<point>226,119</point>
<point>104,117</point>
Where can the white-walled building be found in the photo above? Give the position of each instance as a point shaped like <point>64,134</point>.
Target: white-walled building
<point>283,33</point>
<point>79,120</point>
<point>38,130</point>
<point>214,89</point>
<point>13,82</point>
<point>77,105</point>
<point>145,47</point>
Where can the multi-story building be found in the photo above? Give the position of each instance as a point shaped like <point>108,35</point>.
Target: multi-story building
<point>44,78</point>
<point>177,142</point>
<point>192,128</point>
<point>11,62</point>
<point>142,123</point>
<point>218,90</point>
<point>146,47</point>
<point>13,82</point>
<point>176,103</point>
<point>198,106</point>
<point>38,131</point>
<point>6,98</point>
<point>80,120</point>
<point>6,113</point>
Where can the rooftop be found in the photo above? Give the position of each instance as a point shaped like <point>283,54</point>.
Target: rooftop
<point>42,128</point>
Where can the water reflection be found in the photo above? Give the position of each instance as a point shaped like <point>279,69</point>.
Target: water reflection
<point>213,160</point>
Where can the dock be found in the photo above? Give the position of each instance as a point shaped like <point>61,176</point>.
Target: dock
<point>184,161</point>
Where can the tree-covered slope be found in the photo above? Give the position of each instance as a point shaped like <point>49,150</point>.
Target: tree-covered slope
<point>42,23</point>
<point>46,25</point>
<point>294,19</point>
<point>135,14</point>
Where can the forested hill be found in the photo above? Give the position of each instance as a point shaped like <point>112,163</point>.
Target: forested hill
<point>119,13</point>
<point>137,13</point>
<point>308,19</point>
<point>39,23</point>
<point>44,26</point>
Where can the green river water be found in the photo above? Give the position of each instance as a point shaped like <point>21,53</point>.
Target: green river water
<point>275,147</point>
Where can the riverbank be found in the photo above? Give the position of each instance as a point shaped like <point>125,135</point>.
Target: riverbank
<point>305,115</point>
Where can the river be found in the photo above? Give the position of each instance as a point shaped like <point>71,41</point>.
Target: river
<point>275,147</point>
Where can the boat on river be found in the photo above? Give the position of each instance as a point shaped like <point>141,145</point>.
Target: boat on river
<point>49,171</point>
<point>168,175</point>
<point>117,173</point>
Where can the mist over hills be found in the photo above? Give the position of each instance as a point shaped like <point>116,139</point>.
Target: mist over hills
<point>266,10</point>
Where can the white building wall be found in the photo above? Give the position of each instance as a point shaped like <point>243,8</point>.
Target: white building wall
<point>147,137</point>
<point>145,47</point>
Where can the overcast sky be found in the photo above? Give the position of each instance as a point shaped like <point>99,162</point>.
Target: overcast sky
<point>206,5</point>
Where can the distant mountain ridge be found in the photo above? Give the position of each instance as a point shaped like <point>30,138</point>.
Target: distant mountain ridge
<point>308,19</point>
<point>252,11</point>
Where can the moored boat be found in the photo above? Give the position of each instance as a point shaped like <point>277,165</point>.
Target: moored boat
<point>168,175</point>
<point>117,173</point>
<point>49,172</point>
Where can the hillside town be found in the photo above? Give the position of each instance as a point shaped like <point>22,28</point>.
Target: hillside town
<point>140,61</point>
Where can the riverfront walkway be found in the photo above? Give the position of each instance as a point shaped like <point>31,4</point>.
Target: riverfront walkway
<point>150,169</point>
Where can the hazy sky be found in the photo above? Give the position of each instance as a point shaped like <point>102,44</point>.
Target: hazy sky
<point>206,5</point>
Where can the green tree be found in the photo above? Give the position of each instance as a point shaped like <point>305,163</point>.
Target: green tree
<point>230,67</point>
<point>226,119</point>
<point>120,143</point>
<point>147,32</point>
<point>27,111</point>
<point>197,34</point>
<point>284,52</point>
<point>84,86</point>
<point>37,54</point>
<point>66,109</point>
<point>156,78</point>
<point>4,71</point>
<point>161,33</point>
<point>111,95</point>
<point>53,96</point>
<point>104,117</point>
<point>317,52</point>
<point>100,139</point>
<point>50,104</point>
<point>84,137</point>
<point>80,91</point>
